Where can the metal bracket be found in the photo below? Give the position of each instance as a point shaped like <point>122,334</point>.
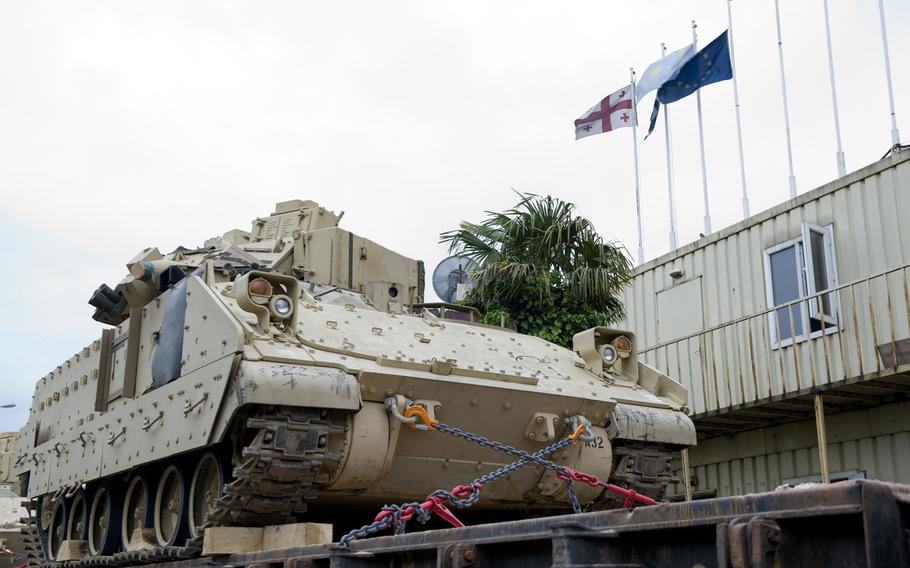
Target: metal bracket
<point>113,437</point>
<point>456,556</point>
<point>431,407</point>
<point>193,406</point>
<point>542,427</point>
<point>148,423</point>
<point>748,543</point>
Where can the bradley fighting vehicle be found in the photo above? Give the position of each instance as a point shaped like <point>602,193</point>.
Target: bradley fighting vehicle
<point>265,372</point>
<point>11,513</point>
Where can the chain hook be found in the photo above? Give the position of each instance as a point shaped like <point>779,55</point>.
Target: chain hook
<point>581,427</point>
<point>419,412</point>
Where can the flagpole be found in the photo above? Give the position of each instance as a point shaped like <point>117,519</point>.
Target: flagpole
<point>701,142</point>
<point>641,248</point>
<point>663,52</point>
<point>783,88</point>
<point>895,135</point>
<point>841,166</point>
<point>739,128</point>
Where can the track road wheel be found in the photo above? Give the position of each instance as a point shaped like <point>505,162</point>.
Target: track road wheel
<point>137,507</point>
<point>171,511</point>
<point>77,525</point>
<point>43,512</point>
<point>45,509</point>
<point>205,489</point>
<point>56,533</point>
<point>103,522</point>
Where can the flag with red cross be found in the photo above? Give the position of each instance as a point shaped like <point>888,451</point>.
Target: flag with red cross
<point>615,111</point>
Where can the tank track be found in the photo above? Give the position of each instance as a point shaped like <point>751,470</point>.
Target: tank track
<point>31,538</point>
<point>278,472</point>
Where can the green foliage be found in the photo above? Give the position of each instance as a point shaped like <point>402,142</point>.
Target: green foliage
<point>543,269</point>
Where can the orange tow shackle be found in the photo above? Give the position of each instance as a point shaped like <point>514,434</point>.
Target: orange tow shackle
<point>421,414</point>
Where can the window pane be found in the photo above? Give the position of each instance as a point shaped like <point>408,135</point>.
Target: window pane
<point>820,268</point>
<point>784,277</point>
<point>785,329</point>
<point>817,248</point>
<point>785,288</point>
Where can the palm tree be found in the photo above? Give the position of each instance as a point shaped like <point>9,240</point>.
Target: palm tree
<point>537,250</point>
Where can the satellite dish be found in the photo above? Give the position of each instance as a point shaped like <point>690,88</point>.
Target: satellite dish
<point>452,278</point>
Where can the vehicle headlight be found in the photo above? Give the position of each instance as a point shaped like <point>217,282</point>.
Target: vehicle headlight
<point>260,291</point>
<point>609,354</point>
<point>623,345</point>
<point>281,307</point>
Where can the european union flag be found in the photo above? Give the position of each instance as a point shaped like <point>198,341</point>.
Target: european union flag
<point>710,65</point>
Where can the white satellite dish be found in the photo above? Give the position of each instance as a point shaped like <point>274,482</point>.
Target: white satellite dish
<point>452,278</point>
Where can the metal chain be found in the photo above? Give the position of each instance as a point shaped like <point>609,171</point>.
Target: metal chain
<point>465,496</point>
<point>500,447</point>
<point>505,470</point>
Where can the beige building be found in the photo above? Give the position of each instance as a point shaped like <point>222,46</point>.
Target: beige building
<point>789,327</point>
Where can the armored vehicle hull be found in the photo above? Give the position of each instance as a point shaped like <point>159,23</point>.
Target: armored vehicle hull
<point>268,370</point>
<point>12,552</point>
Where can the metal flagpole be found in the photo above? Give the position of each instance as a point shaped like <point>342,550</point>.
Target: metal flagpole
<point>739,128</point>
<point>641,248</point>
<point>783,88</point>
<point>663,52</point>
<point>895,135</point>
<point>841,166</point>
<point>701,142</point>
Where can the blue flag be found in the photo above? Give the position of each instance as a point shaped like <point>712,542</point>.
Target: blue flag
<point>710,65</point>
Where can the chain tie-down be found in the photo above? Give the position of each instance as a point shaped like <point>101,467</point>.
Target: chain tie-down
<point>463,496</point>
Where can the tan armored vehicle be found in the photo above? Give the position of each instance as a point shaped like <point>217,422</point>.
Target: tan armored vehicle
<point>264,372</point>
<point>11,512</point>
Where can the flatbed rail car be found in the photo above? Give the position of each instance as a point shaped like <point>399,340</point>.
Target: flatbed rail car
<point>852,523</point>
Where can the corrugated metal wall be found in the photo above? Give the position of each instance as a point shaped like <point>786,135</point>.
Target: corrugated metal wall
<point>874,441</point>
<point>734,363</point>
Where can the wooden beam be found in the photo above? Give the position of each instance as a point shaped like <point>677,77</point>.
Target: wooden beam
<point>822,437</point>
<point>882,386</point>
<point>687,475</point>
<point>702,427</point>
<point>792,404</point>
<point>850,397</point>
<point>733,419</point>
<point>771,413</point>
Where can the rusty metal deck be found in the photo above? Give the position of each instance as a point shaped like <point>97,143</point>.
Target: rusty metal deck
<point>852,523</point>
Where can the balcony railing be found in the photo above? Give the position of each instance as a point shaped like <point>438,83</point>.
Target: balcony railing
<point>853,332</point>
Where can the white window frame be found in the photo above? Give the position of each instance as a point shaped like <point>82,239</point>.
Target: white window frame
<point>807,308</point>
<point>815,309</point>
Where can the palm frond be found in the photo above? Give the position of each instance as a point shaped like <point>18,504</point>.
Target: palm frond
<point>538,243</point>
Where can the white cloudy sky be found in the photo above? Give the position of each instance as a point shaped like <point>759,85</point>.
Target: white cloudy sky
<point>128,124</point>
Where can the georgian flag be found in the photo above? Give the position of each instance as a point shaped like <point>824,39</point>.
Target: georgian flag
<point>615,111</point>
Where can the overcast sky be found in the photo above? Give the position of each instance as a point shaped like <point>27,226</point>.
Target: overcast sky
<point>130,124</point>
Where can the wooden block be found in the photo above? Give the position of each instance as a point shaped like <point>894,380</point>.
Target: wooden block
<point>142,539</point>
<point>231,540</point>
<point>72,550</point>
<point>279,537</point>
